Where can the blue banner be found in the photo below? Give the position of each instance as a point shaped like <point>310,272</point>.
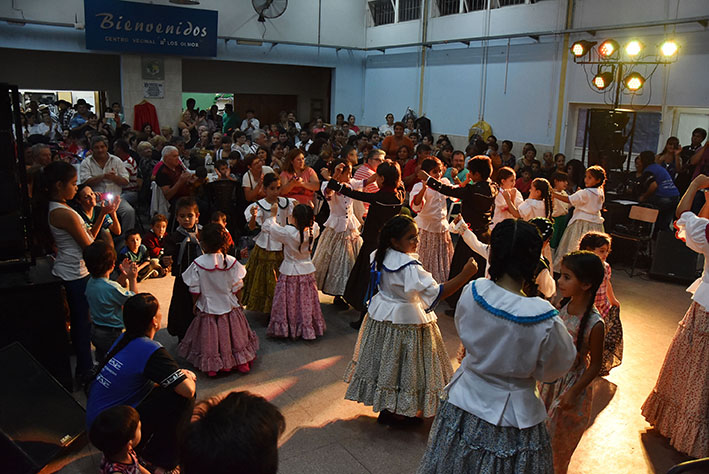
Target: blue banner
<point>154,29</point>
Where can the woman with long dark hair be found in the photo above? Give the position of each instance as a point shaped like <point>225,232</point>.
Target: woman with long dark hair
<point>69,237</point>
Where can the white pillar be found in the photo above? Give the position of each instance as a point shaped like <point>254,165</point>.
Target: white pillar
<point>168,107</point>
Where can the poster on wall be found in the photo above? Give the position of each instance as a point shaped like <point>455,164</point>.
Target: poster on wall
<point>153,90</point>
<point>132,27</point>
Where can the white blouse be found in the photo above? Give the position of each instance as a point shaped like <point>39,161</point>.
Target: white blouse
<point>587,205</point>
<point>407,292</point>
<point>531,208</point>
<point>545,281</point>
<point>433,210</point>
<point>216,279</point>
<point>285,209</point>
<point>561,208</point>
<point>342,216</point>
<point>693,231</point>
<point>511,342</point>
<point>296,256</point>
<point>502,210</point>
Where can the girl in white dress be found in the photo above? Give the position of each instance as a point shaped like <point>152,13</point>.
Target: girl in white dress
<point>400,364</point>
<point>340,242</point>
<point>538,204</point>
<point>267,255</point>
<point>219,337</point>
<point>296,305</point>
<point>506,178</point>
<point>587,204</point>
<point>435,246</point>
<point>493,420</point>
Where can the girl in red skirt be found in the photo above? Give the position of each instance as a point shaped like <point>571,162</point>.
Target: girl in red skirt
<point>219,338</point>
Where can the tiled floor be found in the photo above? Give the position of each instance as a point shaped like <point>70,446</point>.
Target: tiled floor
<point>327,434</point>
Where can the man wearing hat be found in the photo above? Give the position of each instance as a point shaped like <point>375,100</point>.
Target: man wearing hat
<point>65,113</point>
<point>81,119</point>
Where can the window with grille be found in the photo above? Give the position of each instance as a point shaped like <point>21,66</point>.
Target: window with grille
<point>409,10</point>
<point>382,12</point>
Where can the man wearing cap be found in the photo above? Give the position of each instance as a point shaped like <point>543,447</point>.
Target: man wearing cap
<point>81,119</point>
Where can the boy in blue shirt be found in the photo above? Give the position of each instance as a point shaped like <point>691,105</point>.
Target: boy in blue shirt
<point>106,297</point>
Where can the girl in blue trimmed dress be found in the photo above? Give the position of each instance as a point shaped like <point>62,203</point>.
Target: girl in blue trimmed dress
<point>400,364</point>
<point>492,419</point>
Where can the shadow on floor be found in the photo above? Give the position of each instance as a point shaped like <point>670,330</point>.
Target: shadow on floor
<point>356,445</point>
<point>660,455</point>
<point>603,393</point>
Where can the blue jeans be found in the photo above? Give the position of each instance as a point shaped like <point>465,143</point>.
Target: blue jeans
<point>80,323</point>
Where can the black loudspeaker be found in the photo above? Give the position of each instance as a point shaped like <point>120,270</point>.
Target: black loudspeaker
<point>672,259</point>
<point>607,137</point>
<point>34,313</point>
<point>38,417</point>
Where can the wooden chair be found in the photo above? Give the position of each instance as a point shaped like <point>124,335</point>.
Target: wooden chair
<point>637,232</point>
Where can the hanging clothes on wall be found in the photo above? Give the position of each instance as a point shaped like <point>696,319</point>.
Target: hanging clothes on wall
<point>144,112</point>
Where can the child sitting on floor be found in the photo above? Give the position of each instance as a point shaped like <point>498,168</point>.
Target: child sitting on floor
<point>154,239</point>
<point>137,253</point>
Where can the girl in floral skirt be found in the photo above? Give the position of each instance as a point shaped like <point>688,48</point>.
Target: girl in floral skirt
<point>678,406</point>
<point>296,305</point>
<point>569,399</point>
<point>606,302</point>
<point>400,363</point>
<point>267,255</point>
<point>219,337</point>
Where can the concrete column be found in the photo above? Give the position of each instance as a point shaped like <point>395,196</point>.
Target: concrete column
<point>168,107</point>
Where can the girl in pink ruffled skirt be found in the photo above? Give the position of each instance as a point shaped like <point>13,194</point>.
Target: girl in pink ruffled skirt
<point>219,338</point>
<point>295,312</point>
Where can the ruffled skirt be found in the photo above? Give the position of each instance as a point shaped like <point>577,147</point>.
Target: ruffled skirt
<point>296,308</point>
<point>460,442</point>
<point>613,341</point>
<point>401,368</point>
<point>568,426</point>
<point>435,250</point>
<point>334,259</point>
<point>219,342</point>
<point>260,281</point>
<point>572,236</point>
<point>678,406</point>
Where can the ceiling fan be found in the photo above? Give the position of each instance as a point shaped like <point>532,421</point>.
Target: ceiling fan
<point>185,2</point>
<point>269,8</point>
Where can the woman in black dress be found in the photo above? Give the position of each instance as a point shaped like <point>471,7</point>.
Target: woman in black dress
<point>477,202</point>
<point>383,205</point>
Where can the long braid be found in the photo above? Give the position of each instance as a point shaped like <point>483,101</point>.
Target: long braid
<point>588,268</point>
<point>545,188</point>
